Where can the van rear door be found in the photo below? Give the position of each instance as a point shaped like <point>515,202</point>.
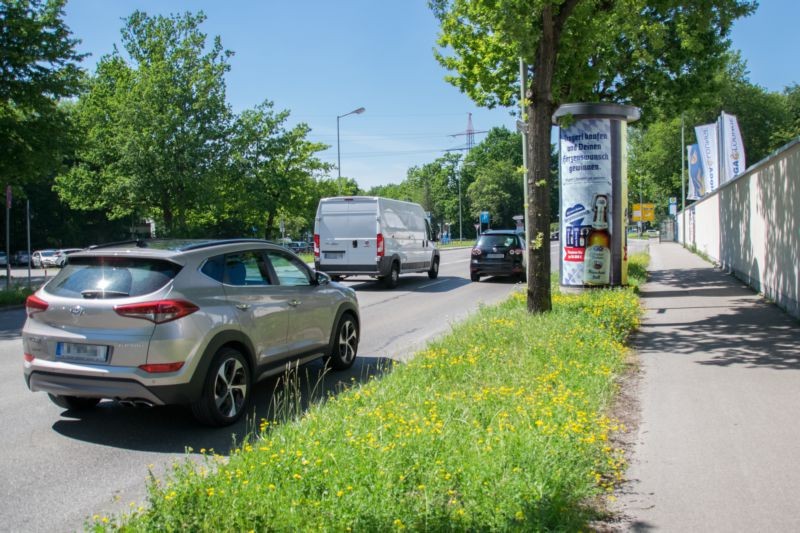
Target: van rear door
<point>348,231</point>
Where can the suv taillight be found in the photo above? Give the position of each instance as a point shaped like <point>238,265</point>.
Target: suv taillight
<point>157,312</point>
<point>316,246</point>
<point>379,245</point>
<point>34,304</point>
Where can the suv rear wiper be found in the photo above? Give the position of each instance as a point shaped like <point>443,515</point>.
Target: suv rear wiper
<point>102,293</point>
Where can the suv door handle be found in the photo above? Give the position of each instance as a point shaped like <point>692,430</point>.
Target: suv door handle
<point>242,307</point>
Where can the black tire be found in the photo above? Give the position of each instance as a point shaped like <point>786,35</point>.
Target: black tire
<point>474,277</point>
<point>74,403</point>
<point>345,343</point>
<point>391,281</point>
<point>226,389</point>
<point>433,273</point>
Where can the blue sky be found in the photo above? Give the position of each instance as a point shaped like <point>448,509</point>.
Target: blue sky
<point>323,58</point>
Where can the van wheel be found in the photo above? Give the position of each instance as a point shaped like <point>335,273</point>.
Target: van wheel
<point>390,281</point>
<point>433,273</point>
<point>345,343</point>
<point>474,277</point>
<point>226,390</point>
<point>74,403</point>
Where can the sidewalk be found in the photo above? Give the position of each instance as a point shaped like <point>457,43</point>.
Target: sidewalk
<point>718,445</point>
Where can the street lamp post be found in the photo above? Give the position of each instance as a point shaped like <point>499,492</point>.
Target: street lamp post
<point>338,150</point>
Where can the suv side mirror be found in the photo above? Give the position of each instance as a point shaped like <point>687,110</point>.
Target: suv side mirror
<point>322,278</point>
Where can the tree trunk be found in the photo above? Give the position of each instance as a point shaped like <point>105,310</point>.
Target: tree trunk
<point>540,112</point>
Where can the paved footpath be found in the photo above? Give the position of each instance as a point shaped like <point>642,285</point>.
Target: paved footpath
<point>718,446</point>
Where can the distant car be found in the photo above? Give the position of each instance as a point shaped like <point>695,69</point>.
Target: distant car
<point>652,233</point>
<point>190,322</point>
<point>61,255</point>
<point>3,259</point>
<point>43,258</point>
<point>554,235</point>
<point>498,253</point>
<point>299,247</point>
<point>21,258</point>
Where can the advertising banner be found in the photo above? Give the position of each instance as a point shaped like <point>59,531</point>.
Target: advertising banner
<point>586,202</point>
<point>732,148</point>
<point>697,180</point>
<point>708,142</point>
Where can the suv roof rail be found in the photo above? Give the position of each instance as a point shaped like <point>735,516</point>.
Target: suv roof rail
<point>217,242</point>
<point>138,242</point>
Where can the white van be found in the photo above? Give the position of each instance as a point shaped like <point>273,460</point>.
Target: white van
<point>371,236</point>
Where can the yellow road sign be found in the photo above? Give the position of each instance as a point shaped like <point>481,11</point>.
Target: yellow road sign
<point>643,213</point>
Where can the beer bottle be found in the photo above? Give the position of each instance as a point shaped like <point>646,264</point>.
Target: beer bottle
<point>597,256</point>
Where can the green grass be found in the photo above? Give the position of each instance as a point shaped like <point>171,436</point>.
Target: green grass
<point>14,296</point>
<point>456,244</point>
<point>500,426</point>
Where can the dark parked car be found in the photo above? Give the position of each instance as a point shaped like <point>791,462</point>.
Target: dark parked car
<point>21,258</point>
<point>498,253</point>
<point>189,322</point>
<point>299,247</point>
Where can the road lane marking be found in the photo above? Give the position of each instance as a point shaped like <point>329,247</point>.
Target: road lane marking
<point>454,262</point>
<point>431,284</point>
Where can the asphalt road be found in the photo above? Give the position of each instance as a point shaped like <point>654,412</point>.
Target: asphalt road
<point>59,468</point>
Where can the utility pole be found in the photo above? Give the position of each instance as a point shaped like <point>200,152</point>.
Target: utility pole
<point>470,135</point>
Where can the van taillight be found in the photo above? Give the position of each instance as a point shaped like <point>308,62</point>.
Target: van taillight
<point>379,245</point>
<point>157,312</point>
<point>34,305</point>
<point>316,245</point>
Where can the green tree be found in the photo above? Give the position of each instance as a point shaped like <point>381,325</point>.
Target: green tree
<point>272,175</point>
<point>155,127</point>
<point>498,190</point>
<point>38,67</point>
<point>642,52</point>
<point>791,130</point>
<point>655,153</point>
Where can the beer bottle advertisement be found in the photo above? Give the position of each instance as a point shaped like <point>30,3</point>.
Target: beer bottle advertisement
<point>597,258</point>
<point>585,162</point>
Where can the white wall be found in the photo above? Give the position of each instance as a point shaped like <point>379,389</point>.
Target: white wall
<point>751,226</point>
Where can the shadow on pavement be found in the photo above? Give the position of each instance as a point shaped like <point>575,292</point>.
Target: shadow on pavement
<point>172,429</point>
<point>11,322</point>
<point>745,330</point>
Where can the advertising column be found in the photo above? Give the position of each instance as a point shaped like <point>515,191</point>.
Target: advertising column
<point>593,194</point>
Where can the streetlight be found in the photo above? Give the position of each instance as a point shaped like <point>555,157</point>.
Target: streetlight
<point>338,150</point>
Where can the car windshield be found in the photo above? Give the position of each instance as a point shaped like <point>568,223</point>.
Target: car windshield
<point>104,277</point>
<point>48,253</point>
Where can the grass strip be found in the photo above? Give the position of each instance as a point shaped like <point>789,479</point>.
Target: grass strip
<point>499,426</point>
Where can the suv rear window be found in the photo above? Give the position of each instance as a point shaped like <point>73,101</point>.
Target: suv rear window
<point>498,240</point>
<point>104,277</point>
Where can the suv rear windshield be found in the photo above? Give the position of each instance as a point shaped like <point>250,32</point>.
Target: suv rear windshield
<point>507,240</point>
<point>111,277</point>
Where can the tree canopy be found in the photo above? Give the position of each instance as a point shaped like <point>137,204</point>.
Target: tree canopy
<point>38,67</point>
<point>650,54</point>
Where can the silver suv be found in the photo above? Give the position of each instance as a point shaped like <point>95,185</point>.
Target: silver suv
<point>189,322</point>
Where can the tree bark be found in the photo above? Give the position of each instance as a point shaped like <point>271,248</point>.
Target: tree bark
<point>540,110</point>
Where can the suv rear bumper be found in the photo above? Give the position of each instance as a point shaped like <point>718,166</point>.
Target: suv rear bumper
<point>113,388</point>
<point>379,268</point>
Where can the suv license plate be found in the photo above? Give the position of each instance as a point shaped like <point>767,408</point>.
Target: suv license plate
<point>90,353</point>
<point>494,256</point>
